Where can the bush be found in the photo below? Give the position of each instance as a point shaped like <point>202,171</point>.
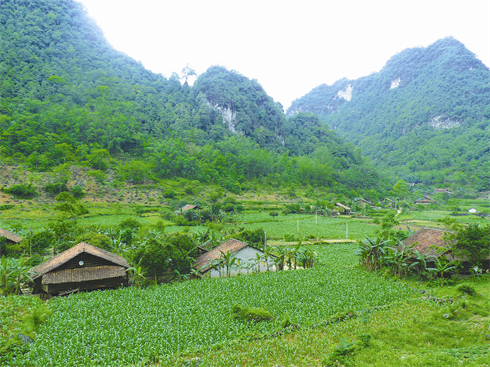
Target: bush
<point>41,241</point>
<point>250,314</point>
<point>77,192</point>
<point>467,289</point>
<point>55,188</point>
<point>273,214</point>
<point>22,191</point>
<point>6,206</point>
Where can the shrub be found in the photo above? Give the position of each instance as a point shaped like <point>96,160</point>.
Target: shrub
<point>22,191</point>
<point>6,206</point>
<point>77,192</point>
<point>467,289</point>
<point>41,241</point>
<point>250,314</point>
<point>273,214</point>
<point>55,188</point>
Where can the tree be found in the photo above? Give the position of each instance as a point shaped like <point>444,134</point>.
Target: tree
<point>400,189</point>
<point>187,72</point>
<point>472,243</point>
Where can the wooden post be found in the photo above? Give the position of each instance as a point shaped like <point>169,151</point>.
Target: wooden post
<point>346,230</point>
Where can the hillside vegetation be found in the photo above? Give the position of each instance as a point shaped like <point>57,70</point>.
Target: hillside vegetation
<point>426,114</point>
<point>69,98</point>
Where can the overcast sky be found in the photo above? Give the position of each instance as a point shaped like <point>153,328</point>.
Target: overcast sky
<point>290,47</point>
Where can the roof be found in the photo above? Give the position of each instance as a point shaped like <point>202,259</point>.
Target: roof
<point>441,190</point>
<point>83,274</point>
<point>10,236</point>
<point>231,245</point>
<point>76,250</point>
<point>342,206</point>
<point>189,207</point>
<point>424,238</point>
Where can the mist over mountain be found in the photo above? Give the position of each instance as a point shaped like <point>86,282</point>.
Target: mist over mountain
<point>426,114</point>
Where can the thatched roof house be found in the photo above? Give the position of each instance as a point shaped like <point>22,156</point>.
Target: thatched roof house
<point>11,237</point>
<point>442,191</point>
<point>186,208</point>
<point>82,267</point>
<point>425,200</point>
<point>342,208</point>
<point>425,238</point>
<point>428,237</point>
<point>238,249</point>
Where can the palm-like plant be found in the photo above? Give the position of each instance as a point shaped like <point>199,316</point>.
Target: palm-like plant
<point>13,273</point>
<point>138,274</point>
<point>372,252</point>
<point>442,266</point>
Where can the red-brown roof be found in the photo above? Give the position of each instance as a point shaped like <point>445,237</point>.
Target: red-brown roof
<point>76,250</point>
<point>231,245</point>
<point>10,236</point>
<point>427,237</point>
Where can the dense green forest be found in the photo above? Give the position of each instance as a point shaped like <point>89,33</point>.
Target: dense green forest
<point>426,114</point>
<point>68,97</point>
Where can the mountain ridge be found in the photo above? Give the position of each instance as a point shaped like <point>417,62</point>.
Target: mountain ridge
<point>418,92</point>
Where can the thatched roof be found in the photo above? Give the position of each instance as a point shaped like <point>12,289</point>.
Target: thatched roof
<point>10,236</point>
<point>231,245</point>
<point>189,207</point>
<point>437,191</point>
<point>426,237</point>
<point>83,274</point>
<point>76,250</point>
<point>342,206</point>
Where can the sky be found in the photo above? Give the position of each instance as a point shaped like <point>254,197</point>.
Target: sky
<point>289,47</point>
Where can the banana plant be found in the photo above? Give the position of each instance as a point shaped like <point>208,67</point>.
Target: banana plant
<point>442,266</point>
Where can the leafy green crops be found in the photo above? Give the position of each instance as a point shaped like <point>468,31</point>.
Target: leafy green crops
<point>126,326</point>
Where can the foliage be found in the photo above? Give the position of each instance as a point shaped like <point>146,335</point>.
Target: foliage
<point>159,254</point>
<point>68,204</point>
<point>42,240</point>
<point>13,274</point>
<point>250,314</point>
<point>472,243</point>
<point>402,128</point>
<point>22,190</point>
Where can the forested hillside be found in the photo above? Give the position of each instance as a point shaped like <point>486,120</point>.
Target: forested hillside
<point>68,97</point>
<point>426,114</point>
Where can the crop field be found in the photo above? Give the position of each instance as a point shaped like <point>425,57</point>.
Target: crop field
<point>332,228</point>
<point>126,326</point>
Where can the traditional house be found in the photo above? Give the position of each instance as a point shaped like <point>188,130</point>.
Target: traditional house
<point>186,208</point>
<point>238,249</point>
<point>427,240</point>
<point>442,191</point>
<point>431,242</point>
<point>365,202</point>
<point>82,267</point>
<point>343,209</point>
<point>425,200</point>
<point>11,237</point>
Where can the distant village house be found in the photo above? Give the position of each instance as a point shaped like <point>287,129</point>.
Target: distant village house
<point>10,237</point>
